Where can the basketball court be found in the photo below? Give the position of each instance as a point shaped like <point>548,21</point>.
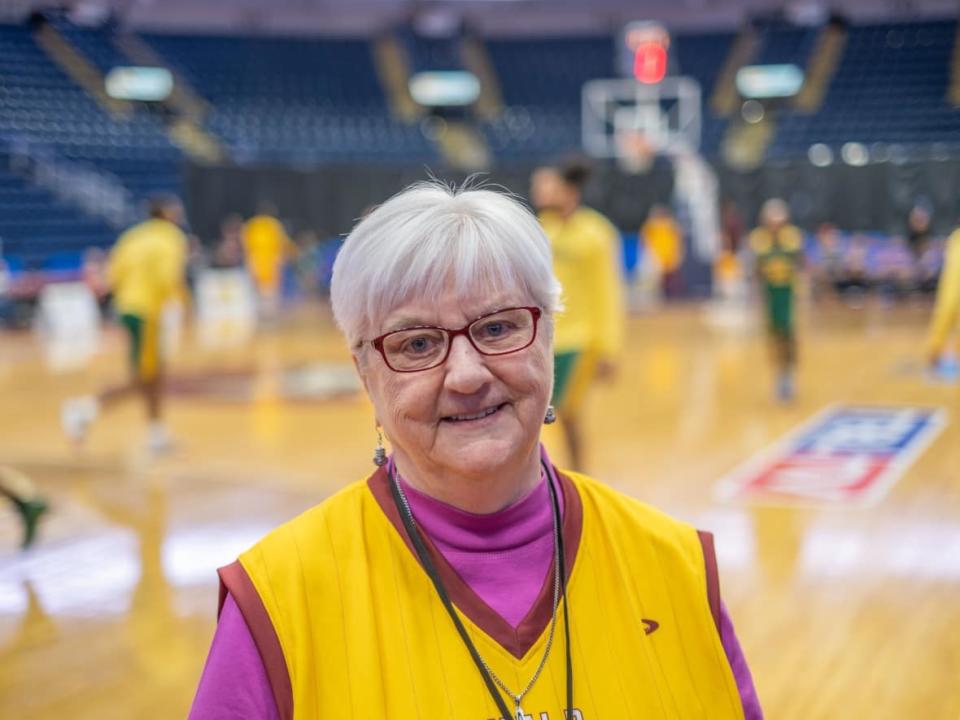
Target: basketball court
<point>836,513</point>
<point>844,611</point>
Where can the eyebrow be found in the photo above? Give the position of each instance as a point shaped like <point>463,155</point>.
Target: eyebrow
<point>410,322</point>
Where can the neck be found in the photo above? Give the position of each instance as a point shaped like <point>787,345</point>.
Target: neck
<point>482,493</point>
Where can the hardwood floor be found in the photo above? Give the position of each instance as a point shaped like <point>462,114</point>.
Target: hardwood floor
<point>844,613</point>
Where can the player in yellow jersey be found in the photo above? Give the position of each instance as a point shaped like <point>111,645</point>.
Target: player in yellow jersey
<point>663,239</point>
<point>586,258</point>
<point>777,247</point>
<point>946,312</point>
<point>267,248</point>
<point>146,271</point>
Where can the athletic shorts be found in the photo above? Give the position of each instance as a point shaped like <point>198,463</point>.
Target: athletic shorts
<point>780,310</point>
<point>144,338</point>
<point>573,372</point>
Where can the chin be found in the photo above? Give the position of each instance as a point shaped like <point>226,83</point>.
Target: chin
<point>484,456</point>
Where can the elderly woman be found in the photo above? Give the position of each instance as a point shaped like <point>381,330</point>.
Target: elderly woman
<point>467,578</point>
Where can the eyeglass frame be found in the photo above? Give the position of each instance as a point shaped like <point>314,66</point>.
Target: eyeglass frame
<point>535,312</point>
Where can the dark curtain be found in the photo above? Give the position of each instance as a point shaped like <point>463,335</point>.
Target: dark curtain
<point>329,199</point>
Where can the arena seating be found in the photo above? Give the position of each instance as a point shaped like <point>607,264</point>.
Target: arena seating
<point>540,80</point>
<point>40,104</point>
<point>702,57</point>
<point>890,88</point>
<point>299,101</point>
<point>310,101</point>
<point>35,227</point>
<point>41,107</point>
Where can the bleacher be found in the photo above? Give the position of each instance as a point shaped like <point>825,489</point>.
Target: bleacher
<point>430,53</point>
<point>96,44</point>
<point>41,104</point>
<point>702,57</point>
<point>41,108</point>
<point>541,81</point>
<point>299,101</point>
<point>890,88</point>
<point>41,232</point>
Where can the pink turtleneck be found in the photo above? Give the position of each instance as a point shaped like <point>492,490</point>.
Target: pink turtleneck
<point>504,557</point>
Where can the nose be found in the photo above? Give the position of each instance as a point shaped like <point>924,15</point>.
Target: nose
<point>466,369</point>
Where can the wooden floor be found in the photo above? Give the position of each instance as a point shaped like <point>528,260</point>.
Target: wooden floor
<point>843,614</point>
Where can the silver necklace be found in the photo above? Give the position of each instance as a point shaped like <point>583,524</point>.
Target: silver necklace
<point>517,697</point>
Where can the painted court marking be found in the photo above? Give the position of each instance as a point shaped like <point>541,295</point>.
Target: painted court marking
<point>843,456</point>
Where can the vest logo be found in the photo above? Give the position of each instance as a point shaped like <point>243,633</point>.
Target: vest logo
<point>649,626</point>
<point>573,715</point>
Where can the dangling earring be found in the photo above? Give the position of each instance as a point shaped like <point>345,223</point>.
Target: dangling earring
<point>551,416</point>
<point>380,454</point>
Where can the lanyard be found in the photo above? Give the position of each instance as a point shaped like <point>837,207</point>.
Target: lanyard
<point>414,534</point>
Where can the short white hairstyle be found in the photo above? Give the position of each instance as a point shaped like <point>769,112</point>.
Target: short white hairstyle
<point>430,236</point>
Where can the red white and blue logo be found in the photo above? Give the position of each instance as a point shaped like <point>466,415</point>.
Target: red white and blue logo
<point>844,455</point>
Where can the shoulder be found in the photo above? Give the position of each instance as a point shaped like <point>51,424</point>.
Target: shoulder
<point>640,531</point>
<point>792,238</point>
<point>596,222</point>
<point>953,242</point>
<point>759,240</point>
<point>133,233</point>
<point>315,527</point>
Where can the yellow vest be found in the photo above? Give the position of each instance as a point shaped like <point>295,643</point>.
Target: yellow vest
<point>362,634</point>
<point>586,261</point>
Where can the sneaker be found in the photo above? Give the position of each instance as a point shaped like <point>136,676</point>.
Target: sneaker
<point>76,415</point>
<point>159,440</point>
<point>30,512</point>
<point>785,387</point>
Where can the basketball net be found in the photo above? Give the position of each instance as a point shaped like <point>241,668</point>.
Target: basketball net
<point>635,151</point>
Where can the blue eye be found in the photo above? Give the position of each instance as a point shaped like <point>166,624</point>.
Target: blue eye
<point>421,344</point>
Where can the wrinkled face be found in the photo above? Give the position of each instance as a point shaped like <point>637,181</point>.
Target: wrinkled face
<point>473,415</point>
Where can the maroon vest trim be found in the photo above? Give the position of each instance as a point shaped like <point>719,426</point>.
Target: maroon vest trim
<point>517,641</point>
<point>713,577</point>
<point>234,579</point>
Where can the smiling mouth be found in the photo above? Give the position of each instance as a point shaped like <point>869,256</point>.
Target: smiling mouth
<point>474,416</point>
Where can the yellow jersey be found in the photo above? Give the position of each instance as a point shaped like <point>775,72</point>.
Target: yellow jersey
<point>266,245</point>
<point>946,312</point>
<point>664,240</point>
<point>349,624</point>
<point>586,261</point>
<point>778,254</point>
<point>146,268</point>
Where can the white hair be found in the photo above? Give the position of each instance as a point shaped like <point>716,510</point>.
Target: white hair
<point>429,237</point>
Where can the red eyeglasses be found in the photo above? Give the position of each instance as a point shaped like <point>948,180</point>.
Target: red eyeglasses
<point>422,348</point>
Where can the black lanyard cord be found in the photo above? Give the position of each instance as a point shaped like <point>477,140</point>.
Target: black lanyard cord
<point>562,559</point>
<point>414,534</point>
